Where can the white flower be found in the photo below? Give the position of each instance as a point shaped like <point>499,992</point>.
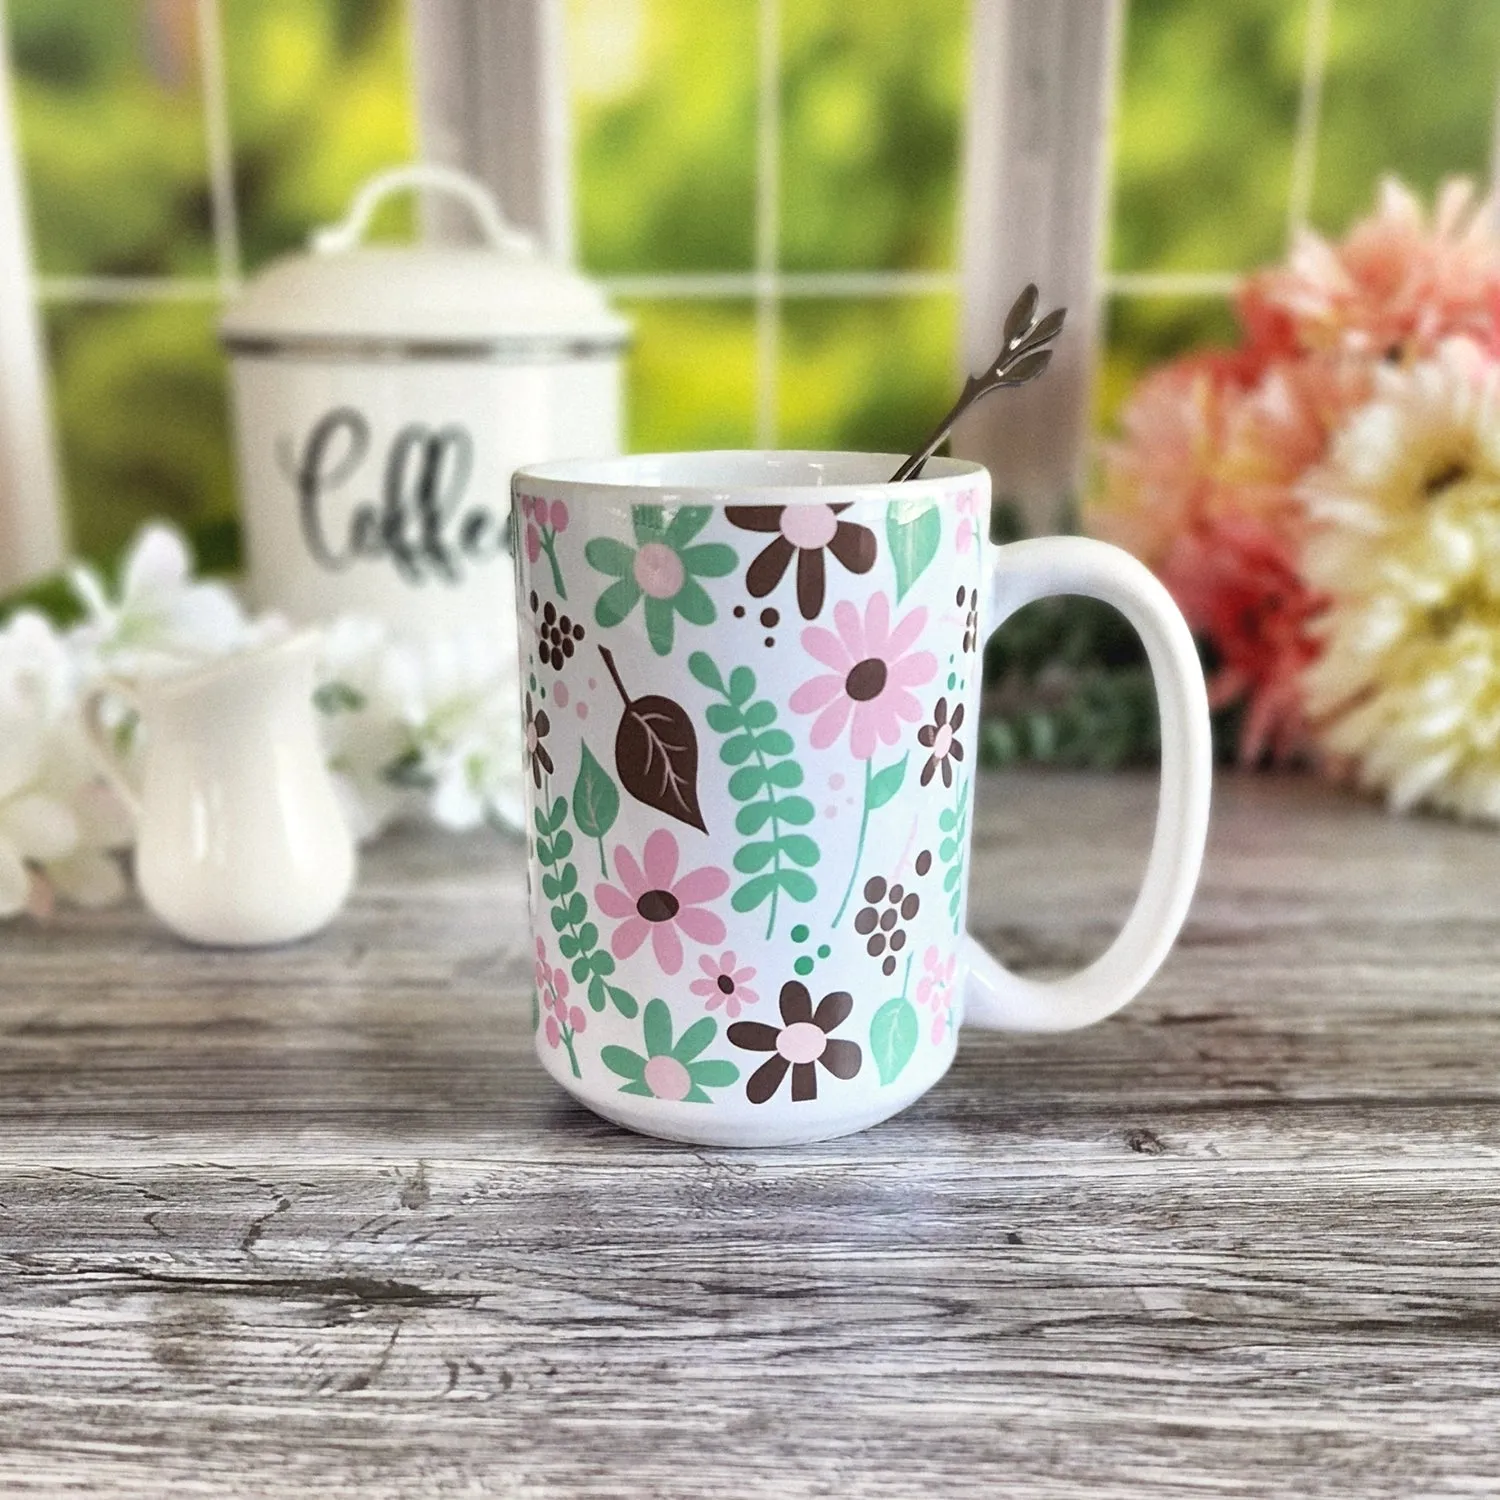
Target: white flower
<point>423,725</point>
<point>162,617</point>
<point>362,732</point>
<point>459,698</point>
<point>1407,547</point>
<point>58,823</point>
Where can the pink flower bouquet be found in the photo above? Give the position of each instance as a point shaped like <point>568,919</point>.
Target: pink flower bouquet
<point>1324,502</point>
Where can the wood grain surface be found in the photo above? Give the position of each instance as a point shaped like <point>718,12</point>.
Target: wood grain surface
<point>313,1222</point>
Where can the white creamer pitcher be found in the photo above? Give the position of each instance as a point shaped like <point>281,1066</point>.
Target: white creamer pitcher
<point>240,838</point>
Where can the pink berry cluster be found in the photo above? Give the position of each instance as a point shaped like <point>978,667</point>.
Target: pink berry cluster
<point>543,521</point>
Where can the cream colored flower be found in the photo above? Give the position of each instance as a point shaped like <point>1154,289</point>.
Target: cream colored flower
<point>1407,547</point>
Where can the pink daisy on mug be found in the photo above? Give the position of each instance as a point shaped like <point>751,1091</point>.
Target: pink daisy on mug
<point>652,901</point>
<point>724,984</point>
<point>872,671</point>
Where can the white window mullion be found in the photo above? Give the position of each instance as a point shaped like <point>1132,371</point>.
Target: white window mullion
<point>1309,116</point>
<point>767,221</point>
<point>31,520</point>
<point>1035,199</point>
<point>491,94</point>
<point>226,223</point>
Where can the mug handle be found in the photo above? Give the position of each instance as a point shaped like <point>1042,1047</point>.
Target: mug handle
<point>1019,573</point>
<point>101,741</point>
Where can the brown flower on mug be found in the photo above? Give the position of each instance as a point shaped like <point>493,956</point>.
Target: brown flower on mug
<point>882,920</point>
<point>804,532</point>
<point>538,727</point>
<point>799,1045</point>
<point>941,738</point>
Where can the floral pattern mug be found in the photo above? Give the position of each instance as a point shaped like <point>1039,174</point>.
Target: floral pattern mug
<point>751,696</point>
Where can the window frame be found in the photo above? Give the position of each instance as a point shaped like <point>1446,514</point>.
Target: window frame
<point>1035,204</point>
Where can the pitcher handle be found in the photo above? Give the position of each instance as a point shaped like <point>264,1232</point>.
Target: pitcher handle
<point>102,742</point>
<point>1020,573</point>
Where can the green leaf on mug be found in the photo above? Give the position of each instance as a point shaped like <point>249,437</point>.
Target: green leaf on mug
<point>701,665</point>
<point>751,858</point>
<point>798,848</point>
<point>765,776</point>
<point>596,798</point>
<point>893,1037</point>
<point>913,529</point>
<point>753,892</point>
<point>885,784</point>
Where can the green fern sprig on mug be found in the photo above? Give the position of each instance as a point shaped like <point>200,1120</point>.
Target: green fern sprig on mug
<point>775,857</point>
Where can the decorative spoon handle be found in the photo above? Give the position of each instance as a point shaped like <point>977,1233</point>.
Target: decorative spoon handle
<point>1023,356</point>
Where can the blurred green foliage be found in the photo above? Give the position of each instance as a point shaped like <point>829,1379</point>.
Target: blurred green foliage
<point>864,373</point>
<point>1203,144</point>
<point>1206,128</point>
<point>110,114</point>
<point>666,111</point>
<point>872,99</point>
<point>111,122</point>
<point>691,375</point>
<point>1409,89</point>
<point>664,101</point>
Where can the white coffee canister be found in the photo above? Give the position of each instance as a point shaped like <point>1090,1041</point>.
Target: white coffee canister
<point>383,396</point>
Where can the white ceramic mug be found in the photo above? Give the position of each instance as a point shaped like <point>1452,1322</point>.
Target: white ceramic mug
<point>240,839</point>
<point>752,700</point>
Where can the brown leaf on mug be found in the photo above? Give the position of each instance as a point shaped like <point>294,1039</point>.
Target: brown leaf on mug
<point>656,753</point>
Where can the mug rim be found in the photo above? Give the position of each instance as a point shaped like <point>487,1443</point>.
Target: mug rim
<point>650,473</point>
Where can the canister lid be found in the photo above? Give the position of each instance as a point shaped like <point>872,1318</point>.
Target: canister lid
<point>503,297</point>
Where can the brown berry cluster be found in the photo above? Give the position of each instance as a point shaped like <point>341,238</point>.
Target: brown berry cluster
<point>880,922</point>
<point>557,635</point>
<point>971,622</point>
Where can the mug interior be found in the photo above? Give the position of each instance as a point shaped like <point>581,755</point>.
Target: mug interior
<point>721,473</point>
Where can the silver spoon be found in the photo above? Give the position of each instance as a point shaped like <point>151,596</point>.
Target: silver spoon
<point>1023,356</point>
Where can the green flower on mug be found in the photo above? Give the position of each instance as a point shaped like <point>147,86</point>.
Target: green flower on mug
<point>662,568</point>
<point>670,1070</point>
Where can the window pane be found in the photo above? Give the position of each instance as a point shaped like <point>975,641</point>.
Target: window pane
<point>664,103</point>
<point>319,99</point>
<point>691,375</point>
<point>139,396</point>
<point>873,373</point>
<point>1203,146</point>
<point>1410,89</point>
<point>872,103</point>
<point>110,119</point>
<point>1141,332</point>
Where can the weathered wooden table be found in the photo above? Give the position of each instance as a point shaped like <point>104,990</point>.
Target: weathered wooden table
<point>313,1222</point>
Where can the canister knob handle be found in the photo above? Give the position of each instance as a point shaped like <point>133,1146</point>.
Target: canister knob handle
<point>334,238</point>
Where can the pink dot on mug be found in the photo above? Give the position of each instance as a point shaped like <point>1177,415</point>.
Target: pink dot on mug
<point>560,695</point>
